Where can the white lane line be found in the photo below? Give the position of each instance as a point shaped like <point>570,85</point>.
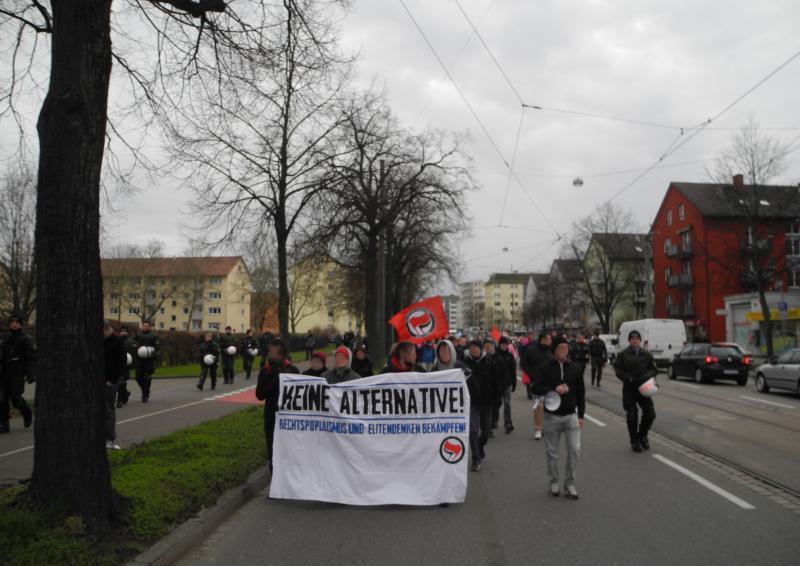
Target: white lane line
<point>593,420</point>
<point>692,385</point>
<point>757,400</point>
<point>17,451</point>
<point>704,482</point>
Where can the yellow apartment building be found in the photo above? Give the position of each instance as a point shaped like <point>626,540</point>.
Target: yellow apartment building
<point>324,295</point>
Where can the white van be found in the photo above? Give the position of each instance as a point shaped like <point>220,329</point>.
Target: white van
<point>612,345</point>
<point>662,337</point>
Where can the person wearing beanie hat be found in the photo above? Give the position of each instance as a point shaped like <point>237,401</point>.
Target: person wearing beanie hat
<point>341,372</point>
<point>317,367</point>
<point>361,364</point>
<point>633,366</point>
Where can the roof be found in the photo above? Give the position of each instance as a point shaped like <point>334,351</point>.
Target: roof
<point>626,247</point>
<point>539,278</point>
<point>169,266</point>
<point>570,269</point>
<point>714,199</point>
<point>508,279</point>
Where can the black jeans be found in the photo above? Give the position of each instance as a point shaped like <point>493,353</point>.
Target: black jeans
<point>631,401</point>
<point>597,370</point>
<point>247,363</point>
<point>144,373</point>
<point>19,404</point>
<point>204,371</point>
<point>486,426</point>
<point>227,368</point>
<point>269,433</point>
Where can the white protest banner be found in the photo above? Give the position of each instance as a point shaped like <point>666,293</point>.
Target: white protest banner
<point>396,438</point>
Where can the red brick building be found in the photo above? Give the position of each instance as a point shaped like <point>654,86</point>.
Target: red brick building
<point>703,250</point>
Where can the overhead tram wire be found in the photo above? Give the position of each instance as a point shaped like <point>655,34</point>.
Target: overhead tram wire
<point>511,168</point>
<point>474,114</point>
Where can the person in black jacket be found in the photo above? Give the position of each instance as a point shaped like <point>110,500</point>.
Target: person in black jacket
<point>507,368</point>
<point>246,346</point>
<point>208,347</point>
<point>146,365</point>
<point>317,367</point>
<point>115,363</point>
<point>498,385</point>
<point>268,387</point>
<point>16,358</point>
<point>362,365</point>
<point>599,355</point>
<point>483,371</point>
<point>579,353</point>
<point>130,350</point>
<point>563,377</point>
<point>535,355</point>
<point>633,366</point>
<point>403,359</point>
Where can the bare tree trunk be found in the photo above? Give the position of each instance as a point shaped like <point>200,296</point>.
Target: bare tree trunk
<point>283,276</point>
<point>70,464</point>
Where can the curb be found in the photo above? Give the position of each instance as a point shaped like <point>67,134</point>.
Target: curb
<point>197,529</point>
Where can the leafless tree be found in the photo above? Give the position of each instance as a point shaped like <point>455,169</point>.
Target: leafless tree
<point>17,224</point>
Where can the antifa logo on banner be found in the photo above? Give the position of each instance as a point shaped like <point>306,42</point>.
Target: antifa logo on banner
<point>420,322</point>
<point>452,450</point>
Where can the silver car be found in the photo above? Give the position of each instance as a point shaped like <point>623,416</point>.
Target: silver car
<point>782,372</point>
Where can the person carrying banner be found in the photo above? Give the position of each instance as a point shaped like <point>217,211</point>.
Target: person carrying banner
<point>147,346</point>
<point>599,356</point>
<point>268,388</point>
<point>362,364</point>
<point>403,359</point>
<point>247,345</point>
<point>507,368</point>
<point>208,347</point>
<point>536,355</point>
<point>447,358</point>
<point>634,365</point>
<point>341,372</point>
<point>483,371</point>
<point>562,416</point>
<point>317,367</point>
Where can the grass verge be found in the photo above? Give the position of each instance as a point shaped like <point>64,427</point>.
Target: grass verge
<point>159,484</point>
<point>193,370</point>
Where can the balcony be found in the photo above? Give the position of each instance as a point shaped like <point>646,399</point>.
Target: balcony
<point>681,311</point>
<point>755,248</point>
<point>679,251</point>
<point>680,280</point>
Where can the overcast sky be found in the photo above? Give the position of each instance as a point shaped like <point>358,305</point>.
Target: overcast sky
<point>669,62</point>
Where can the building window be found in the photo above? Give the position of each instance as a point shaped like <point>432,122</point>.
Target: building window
<point>115,295</point>
<point>681,212</point>
<point>184,326</point>
<point>161,325</point>
<point>669,218</point>
<point>794,278</point>
<point>133,296</point>
<point>214,295</point>
<point>185,310</point>
<point>163,281</point>
<point>669,301</point>
<point>793,246</point>
<point>686,239</point>
<point>174,303</point>
<point>793,228</point>
<point>133,310</point>
<point>214,310</point>
<point>163,296</point>
<point>667,273</point>
<point>161,310</point>
<point>213,326</point>
<point>215,281</point>
<point>667,244</point>
<point>114,310</point>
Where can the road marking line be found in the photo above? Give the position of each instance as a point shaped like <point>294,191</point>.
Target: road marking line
<point>692,385</point>
<point>17,451</point>
<point>704,482</point>
<point>175,408</point>
<point>757,400</point>
<point>593,420</point>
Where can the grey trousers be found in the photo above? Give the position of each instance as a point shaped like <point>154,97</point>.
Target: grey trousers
<point>554,426</point>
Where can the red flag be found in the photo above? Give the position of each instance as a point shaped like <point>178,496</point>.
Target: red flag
<point>421,322</point>
<point>495,332</point>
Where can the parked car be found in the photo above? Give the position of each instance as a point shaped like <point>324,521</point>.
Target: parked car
<point>612,345</point>
<point>782,372</point>
<point>707,362</point>
<point>662,337</point>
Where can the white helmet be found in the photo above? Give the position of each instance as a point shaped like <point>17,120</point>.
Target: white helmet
<point>231,350</point>
<point>649,387</point>
<point>253,352</point>
<point>145,352</point>
<point>209,360</point>
<point>129,358</point>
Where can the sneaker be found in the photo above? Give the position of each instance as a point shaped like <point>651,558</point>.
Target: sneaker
<point>119,404</point>
<point>554,491</point>
<point>199,387</point>
<point>571,492</point>
<point>643,440</point>
<point>112,446</point>
<point>537,435</point>
<point>476,467</point>
<point>636,446</point>
<point>509,428</point>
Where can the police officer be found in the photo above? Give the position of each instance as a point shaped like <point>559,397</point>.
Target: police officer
<point>248,343</point>
<point>122,387</point>
<point>16,361</point>
<point>599,356</point>
<point>146,366</point>
<point>208,347</point>
<point>226,341</point>
<point>633,366</point>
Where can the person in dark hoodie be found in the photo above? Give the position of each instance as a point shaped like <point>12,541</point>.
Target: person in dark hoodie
<point>507,368</point>
<point>403,359</point>
<point>563,377</point>
<point>483,371</point>
<point>362,365</point>
<point>317,367</point>
<point>341,372</point>
<point>497,386</point>
<point>447,358</point>
<point>268,387</point>
<point>533,358</point>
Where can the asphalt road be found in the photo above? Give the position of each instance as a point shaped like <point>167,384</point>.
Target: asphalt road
<point>669,506</point>
<point>174,404</point>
